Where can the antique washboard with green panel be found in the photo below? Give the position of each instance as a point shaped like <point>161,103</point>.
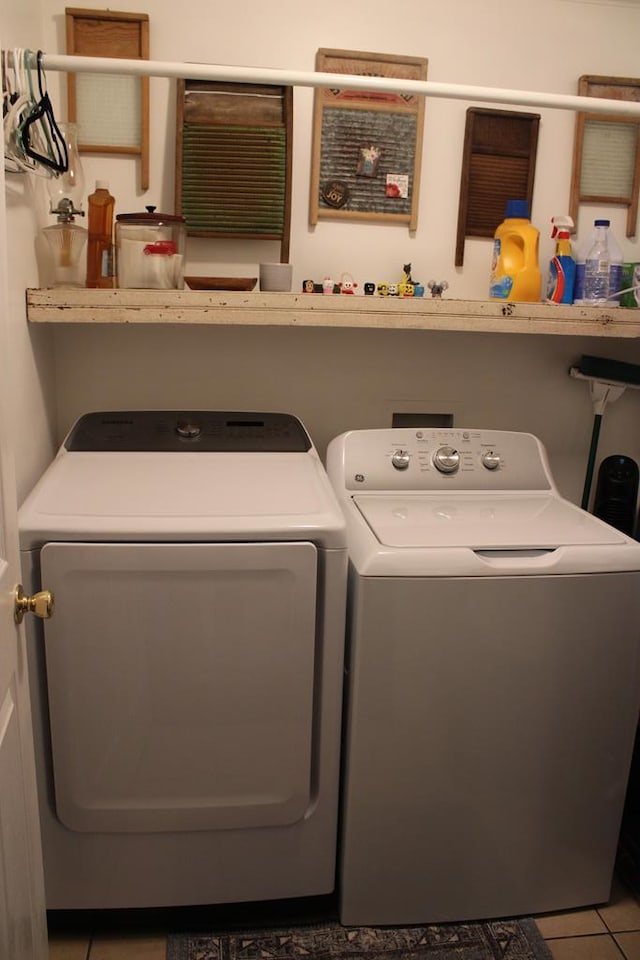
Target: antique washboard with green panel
<point>233,160</point>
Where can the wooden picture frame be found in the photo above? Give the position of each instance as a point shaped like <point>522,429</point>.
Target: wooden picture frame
<point>606,151</point>
<point>367,145</point>
<point>112,112</point>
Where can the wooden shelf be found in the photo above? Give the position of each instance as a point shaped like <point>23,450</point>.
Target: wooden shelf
<point>79,305</point>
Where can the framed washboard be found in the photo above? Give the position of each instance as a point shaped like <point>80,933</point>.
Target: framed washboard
<point>367,145</point>
<point>112,112</point>
<point>606,151</point>
<point>498,164</point>
<point>234,160</point>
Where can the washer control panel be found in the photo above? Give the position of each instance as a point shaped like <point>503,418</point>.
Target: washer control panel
<point>438,458</point>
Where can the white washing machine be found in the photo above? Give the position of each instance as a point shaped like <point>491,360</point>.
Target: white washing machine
<point>493,680</point>
<point>187,691</point>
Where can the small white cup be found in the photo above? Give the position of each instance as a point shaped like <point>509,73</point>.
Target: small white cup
<point>276,277</point>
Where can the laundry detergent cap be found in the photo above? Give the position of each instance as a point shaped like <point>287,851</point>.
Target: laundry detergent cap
<point>517,209</point>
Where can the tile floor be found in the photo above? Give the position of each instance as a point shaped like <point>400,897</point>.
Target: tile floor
<point>608,932</point>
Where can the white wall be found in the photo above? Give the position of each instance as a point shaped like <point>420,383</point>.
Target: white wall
<point>340,379</point>
<point>347,379</point>
<point>546,46</point>
<point>34,411</point>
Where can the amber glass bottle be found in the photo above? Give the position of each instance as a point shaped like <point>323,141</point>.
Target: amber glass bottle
<point>100,240</point>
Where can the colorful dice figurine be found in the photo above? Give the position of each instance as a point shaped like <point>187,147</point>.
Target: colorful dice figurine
<point>408,286</point>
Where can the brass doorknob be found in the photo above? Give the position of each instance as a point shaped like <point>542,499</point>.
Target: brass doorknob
<point>40,603</point>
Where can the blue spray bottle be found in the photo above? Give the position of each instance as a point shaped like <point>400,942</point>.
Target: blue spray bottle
<point>562,268</point>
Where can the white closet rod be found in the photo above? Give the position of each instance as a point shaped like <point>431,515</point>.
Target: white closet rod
<point>452,91</point>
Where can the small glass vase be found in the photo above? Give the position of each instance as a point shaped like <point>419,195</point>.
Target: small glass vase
<point>68,185</point>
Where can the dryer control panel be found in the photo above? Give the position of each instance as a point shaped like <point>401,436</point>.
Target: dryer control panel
<point>173,431</point>
<point>437,459</point>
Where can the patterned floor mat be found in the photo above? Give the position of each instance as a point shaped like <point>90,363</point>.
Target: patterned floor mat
<point>493,940</point>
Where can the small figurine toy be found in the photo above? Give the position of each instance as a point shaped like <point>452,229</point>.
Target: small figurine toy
<point>347,284</point>
<point>308,286</point>
<point>406,269</point>
<point>437,289</point>
<point>327,286</point>
<point>369,289</point>
<point>393,289</point>
<point>383,289</point>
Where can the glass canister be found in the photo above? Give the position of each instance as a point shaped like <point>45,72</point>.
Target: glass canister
<point>150,250</point>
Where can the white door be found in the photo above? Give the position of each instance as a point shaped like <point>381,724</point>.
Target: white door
<point>22,912</point>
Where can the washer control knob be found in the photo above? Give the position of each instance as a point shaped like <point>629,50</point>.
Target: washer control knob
<point>400,459</point>
<point>491,460</point>
<point>446,459</point>
<point>188,429</point>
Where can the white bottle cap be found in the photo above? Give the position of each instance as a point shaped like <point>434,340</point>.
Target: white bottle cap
<point>102,184</point>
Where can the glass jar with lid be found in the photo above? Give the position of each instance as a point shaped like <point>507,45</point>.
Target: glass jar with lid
<point>150,249</point>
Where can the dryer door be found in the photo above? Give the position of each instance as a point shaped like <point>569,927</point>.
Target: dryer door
<point>181,683</point>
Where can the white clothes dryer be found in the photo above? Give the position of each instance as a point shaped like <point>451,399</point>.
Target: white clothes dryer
<point>493,680</point>
<point>187,691</point>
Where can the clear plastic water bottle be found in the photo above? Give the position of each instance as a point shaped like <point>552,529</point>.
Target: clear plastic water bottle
<point>598,267</point>
<point>615,271</point>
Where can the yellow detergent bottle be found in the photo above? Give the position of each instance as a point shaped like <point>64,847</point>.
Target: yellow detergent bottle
<point>515,271</point>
